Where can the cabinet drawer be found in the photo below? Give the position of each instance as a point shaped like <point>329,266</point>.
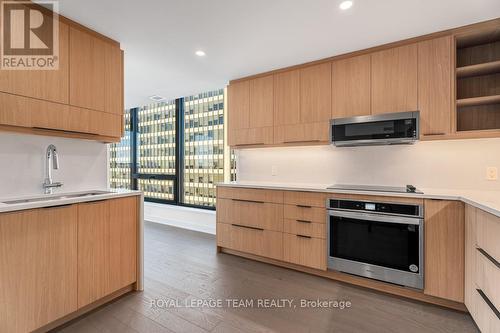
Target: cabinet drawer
<point>302,227</point>
<point>484,315</point>
<point>488,233</point>
<point>305,251</point>
<point>262,215</point>
<point>256,241</point>
<point>305,199</point>
<point>249,194</point>
<point>488,277</point>
<point>309,214</point>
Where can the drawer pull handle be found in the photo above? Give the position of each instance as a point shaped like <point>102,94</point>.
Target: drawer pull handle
<point>487,300</point>
<point>433,134</point>
<point>247,227</point>
<point>490,258</point>
<point>302,236</point>
<point>303,221</point>
<point>305,141</point>
<point>303,206</point>
<point>250,201</point>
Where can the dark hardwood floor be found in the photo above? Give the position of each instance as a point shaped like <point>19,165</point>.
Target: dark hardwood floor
<point>182,266</point>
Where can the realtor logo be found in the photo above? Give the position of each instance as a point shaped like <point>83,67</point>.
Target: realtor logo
<point>29,35</point>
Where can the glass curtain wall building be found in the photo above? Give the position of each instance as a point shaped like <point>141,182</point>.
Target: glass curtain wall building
<point>175,151</point>
<point>119,158</point>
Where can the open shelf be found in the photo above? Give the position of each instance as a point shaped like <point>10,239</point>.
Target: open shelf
<point>479,69</point>
<point>484,100</point>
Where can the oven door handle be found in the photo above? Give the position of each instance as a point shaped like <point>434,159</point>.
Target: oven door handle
<point>376,217</point>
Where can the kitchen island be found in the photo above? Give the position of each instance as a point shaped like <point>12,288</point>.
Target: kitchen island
<point>62,255</point>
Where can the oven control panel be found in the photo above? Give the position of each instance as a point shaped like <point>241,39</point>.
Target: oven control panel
<point>378,207</point>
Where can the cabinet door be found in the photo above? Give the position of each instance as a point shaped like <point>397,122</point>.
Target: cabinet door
<point>261,102</point>
<point>444,249</point>
<point>351,84</point>
<point>394,80</point>
<point>251,112</point>
<point>238,110</point>
<point>123,243</point>
<point>316,93</point>
<point>434,86</point>
<point>93,251</point>
<point>48,85</point>
<point>113,84</point>
<point>287,98</point>
<point>38,267</point>
<point>87,70</point>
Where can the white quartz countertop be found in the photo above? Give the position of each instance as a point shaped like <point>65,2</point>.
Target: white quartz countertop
<point>59,199</point>
<point>488,201</point>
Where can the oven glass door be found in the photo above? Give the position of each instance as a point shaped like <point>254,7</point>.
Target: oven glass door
<point>389,129</point>
<point>386,244</point>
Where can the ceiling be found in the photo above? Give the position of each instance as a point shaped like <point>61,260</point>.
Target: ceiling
<point>244,37</point>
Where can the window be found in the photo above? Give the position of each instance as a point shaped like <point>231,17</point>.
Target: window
<point>119,159</point>
<point>175,152</point>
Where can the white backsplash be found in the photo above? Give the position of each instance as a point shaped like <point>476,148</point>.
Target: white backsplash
<point>82,164</point>
<point>453,164</point>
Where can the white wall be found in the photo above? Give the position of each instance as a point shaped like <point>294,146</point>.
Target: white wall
<point>438,164</point>
<point>82,164</point>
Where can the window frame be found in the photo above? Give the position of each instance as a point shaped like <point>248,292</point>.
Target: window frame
<point>178,177</point>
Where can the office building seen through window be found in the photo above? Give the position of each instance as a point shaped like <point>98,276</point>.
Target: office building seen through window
<point>175,151</point>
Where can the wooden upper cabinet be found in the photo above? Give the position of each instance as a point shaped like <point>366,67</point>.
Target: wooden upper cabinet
<point>239,105</point>
<point>114,78</point>
<point>351,84</point>
<point>251,112</point>
<point>394,80</point>
<point>435,86</point>
<point>261,102</point>
<point>87,70</point>
<point>303,104</point>
<point>49,85</point>
<point>287,98</point>
<point>316,93</point>
<point>444,249</point>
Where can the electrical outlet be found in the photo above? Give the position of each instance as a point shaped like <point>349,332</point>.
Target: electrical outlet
<point>492,173</point>
<point>274,170</point>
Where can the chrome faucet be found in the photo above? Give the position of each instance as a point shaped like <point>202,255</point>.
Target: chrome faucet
<point>51,155</point>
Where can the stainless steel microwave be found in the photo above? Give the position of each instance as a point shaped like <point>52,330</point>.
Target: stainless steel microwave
<point>382,129</point>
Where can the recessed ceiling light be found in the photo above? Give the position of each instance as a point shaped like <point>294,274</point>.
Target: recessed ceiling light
<point>156,98</point>
<point>200,53</point>
<point>344,5</point>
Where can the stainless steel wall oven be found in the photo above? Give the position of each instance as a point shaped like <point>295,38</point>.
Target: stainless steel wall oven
<point>379,240</point>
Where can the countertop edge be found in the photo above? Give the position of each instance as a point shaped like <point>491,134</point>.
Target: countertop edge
<point>456,197</point>
<point>6,208</point>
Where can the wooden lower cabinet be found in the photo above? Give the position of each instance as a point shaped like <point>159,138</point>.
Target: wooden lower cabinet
<point>444,249</point>
<point>482,270</point>
<point>93,251</point>
<point>107,247</point>
<point>260,242</point>
<point>306,228</point>
<point>56,260</point>
<point>122,242</point>
<point>38,267</point>
<point>262,215</point>
<point>304,250</point>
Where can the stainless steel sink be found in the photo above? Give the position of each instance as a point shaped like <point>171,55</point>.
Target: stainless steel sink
<point>56,197</point>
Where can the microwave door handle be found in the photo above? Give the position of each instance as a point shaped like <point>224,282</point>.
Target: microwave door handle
<point>376,217</point>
